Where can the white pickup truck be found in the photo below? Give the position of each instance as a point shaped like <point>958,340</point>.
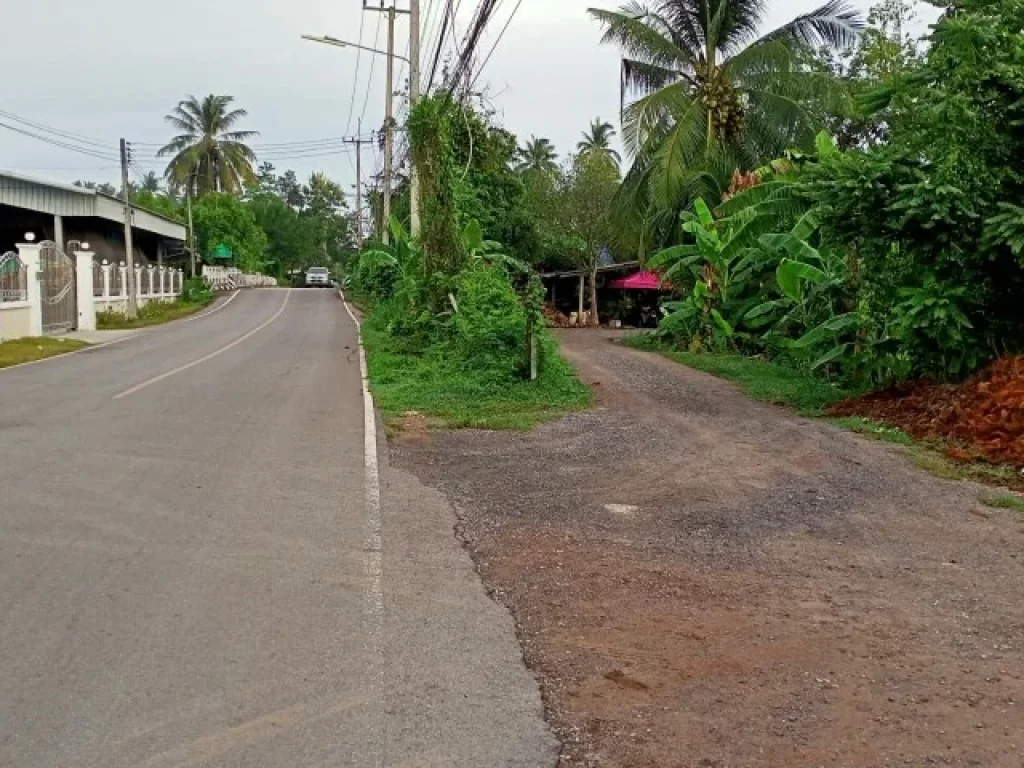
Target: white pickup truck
<point>318,277</point>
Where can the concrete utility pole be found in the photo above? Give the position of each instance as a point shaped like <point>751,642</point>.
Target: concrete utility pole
<point>414,97</point>
<point>358,141</point>
<point>191,231</point>
<point>389,109</point>
<point>133,300</point>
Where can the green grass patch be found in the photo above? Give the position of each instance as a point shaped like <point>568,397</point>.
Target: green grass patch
<point>873,429</point>
<point>760,379</point>
<point>457,396</point>
<point>1004,501</point>
<point>153,313</point>
<point>30,349</point>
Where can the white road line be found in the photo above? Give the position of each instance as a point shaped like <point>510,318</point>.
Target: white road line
<point>213,311</point>
<point>374,594</point>
<point>133,334</point>
<point>205,358</point>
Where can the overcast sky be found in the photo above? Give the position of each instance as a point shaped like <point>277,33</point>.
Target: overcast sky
<point>109,68</point>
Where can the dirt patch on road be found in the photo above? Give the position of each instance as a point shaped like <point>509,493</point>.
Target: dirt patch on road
<point>700,580</point>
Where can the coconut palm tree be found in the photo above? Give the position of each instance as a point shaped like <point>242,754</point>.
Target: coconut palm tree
<point>208,156</point>
<point>598,140</point>
<point>537,155</point>
<point>713,93</point>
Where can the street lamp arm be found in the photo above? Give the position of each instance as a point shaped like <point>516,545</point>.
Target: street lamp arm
<point>328,40</point>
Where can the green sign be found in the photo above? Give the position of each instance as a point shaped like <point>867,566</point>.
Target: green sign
<point>221,251</point>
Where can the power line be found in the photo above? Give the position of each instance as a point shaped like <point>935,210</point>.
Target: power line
<point>449,19</point>
<point>373,64</point>
<point>62,144</point>
<point>355,77</point>
<point>48,129</point>
<point>496,42</point>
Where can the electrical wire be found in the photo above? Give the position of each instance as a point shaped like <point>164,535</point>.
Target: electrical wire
<point>355,77</point>
<point>495,46</point>
<point>373,64</point>
<point>48,129</point>
<point>62,144</point>
<point>447,20</point>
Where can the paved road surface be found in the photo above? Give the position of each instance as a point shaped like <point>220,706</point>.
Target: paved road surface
<point>185,577</point>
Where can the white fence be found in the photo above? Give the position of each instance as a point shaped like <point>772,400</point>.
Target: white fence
<point>231,279</point>
<point>97,288</point>
<point>109,285</point>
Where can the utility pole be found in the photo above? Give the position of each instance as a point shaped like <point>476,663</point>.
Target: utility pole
<point>414,97</point>
<point>389,109</point>
<point>358,141</point>
<point>133,301</point>
<point>191,231</point>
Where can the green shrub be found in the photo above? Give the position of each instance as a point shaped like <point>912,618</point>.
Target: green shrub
<point>490,324</point>
<point>195,291</point>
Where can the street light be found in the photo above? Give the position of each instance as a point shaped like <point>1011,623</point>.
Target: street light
<point>389,95</point>
<point>328,40</point>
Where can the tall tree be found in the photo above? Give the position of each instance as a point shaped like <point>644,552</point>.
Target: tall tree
<point>209,155</point>
<point>537,155</point>
<point>150,182</point>
<point>289,188</point>
<point>325,212</point>
<point>714,93</point>
<point>588,192</point>
<point>598,141</point>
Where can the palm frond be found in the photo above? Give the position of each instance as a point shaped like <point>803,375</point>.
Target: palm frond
<point>640,41</point>
<point>835,24</point>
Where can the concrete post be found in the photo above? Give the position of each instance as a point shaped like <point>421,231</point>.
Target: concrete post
<point>124,280</point>
<point>138,283</point>
<point>106,267</point>
<point>86,300</point>
<point>151,272</point>
<point>29,255</point>
<point>58,231</point>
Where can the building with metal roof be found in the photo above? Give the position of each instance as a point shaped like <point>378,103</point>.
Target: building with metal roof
<point>63,213</point>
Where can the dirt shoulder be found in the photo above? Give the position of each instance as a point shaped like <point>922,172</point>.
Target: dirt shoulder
<point>701,580</point>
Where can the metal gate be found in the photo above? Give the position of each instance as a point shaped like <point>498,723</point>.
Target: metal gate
<point>57,288</point>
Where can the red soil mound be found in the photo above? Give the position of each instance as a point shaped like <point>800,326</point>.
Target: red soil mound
<point>984,415</point>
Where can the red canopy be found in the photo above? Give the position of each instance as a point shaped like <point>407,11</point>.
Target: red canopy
<point>641,281</point>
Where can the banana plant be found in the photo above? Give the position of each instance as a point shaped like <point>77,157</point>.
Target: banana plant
<point>813,283</point>
<point>721,276</point>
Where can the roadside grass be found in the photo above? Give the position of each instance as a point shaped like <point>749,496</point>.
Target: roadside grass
<point>456,397</point>
<point>758,378</point>
<point>1004,501</point>
<point>28,350</point>
<point>810,396</point>
<point>153,313</point>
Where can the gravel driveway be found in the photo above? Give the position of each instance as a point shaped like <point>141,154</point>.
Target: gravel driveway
<point>701,580</point>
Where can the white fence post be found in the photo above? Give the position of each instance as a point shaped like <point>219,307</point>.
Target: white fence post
<point>138,281</point>
<point>123,287</point>
<point>84,288</point>
<point>105,266</point>
<point>29,255</point>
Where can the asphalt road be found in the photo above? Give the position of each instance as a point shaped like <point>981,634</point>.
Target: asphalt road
<point>188,574</point>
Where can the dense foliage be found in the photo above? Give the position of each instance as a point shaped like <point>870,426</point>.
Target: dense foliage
<point>279,225</point>
<point>452,296</point>
<point>900,256</point>
<point>714,93</point>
